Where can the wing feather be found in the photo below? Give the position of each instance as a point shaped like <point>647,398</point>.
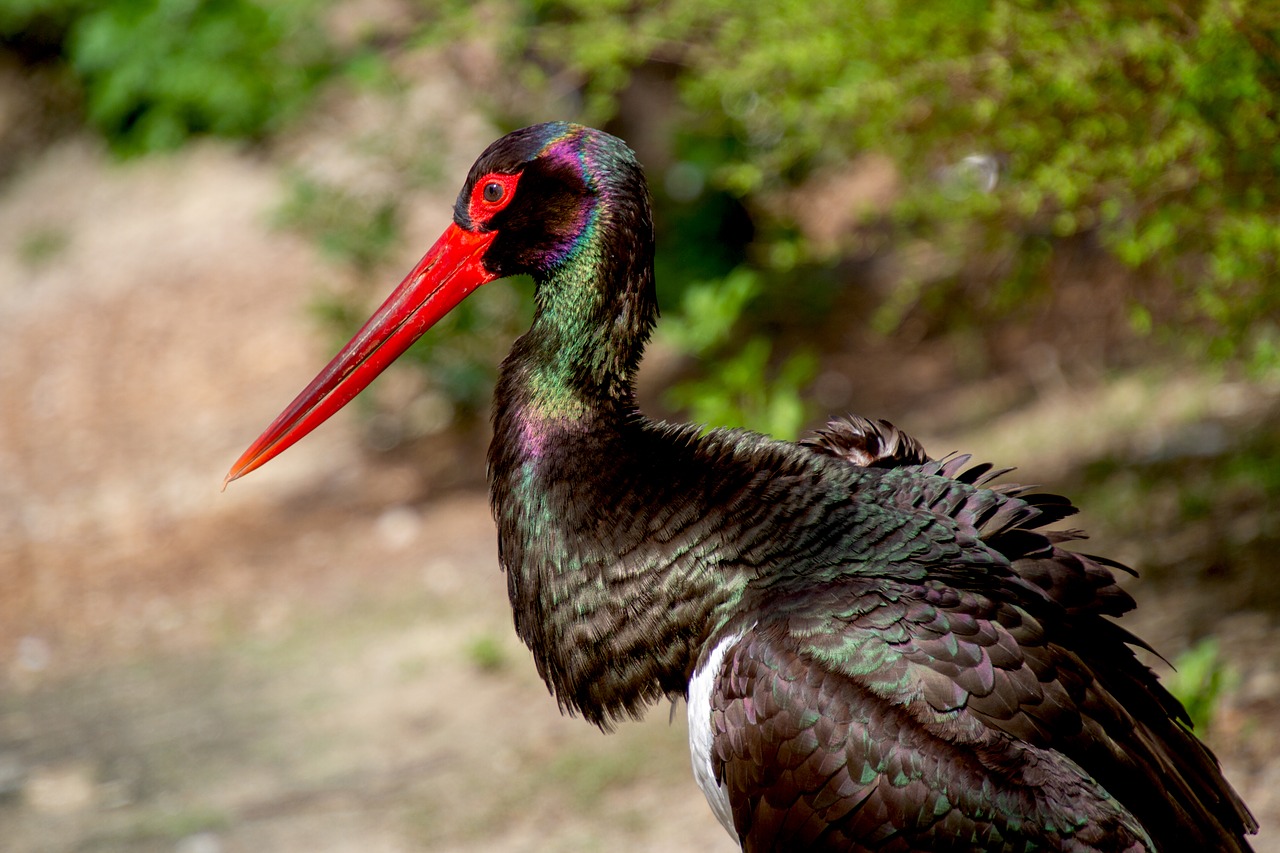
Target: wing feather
<point>970,650</point>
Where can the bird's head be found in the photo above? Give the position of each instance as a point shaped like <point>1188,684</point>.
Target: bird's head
<point>547,193</point>
<point>537,201</point>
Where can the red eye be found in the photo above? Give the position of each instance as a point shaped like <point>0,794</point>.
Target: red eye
<point>490,194</point>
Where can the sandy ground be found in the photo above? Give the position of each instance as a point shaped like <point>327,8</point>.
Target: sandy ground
<point>321,657</point>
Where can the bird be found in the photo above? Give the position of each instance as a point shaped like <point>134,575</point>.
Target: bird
<point>878,650</point>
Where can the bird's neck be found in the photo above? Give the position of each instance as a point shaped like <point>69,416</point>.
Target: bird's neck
<point>594,313</point>
<point>605,588</point>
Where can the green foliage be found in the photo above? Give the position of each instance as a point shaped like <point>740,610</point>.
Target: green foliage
<point>486,653</point>
<point>740,391</point>
<point>155,72</point>
<point>709,312</point>
<point>736,389</point>
<point>40,20</point>
<point>351,229</point>
<point>1149,128</point>
<point>1199,680</point>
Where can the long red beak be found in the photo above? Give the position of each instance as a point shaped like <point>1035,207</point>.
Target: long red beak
<point>447,273</point>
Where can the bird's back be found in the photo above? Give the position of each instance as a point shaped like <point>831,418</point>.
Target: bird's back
<point>943,674</point>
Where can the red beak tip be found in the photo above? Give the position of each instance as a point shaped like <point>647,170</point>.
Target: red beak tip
<point>237,471</point>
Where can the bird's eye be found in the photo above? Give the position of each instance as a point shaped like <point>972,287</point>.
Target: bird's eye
<point>490,194</point>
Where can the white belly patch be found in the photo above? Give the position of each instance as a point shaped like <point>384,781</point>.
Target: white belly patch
<point>700,734</point>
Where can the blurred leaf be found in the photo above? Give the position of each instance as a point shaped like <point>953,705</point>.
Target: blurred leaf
<point>486,653</point>
<point>1201,676</point>
<point>710,310</point>
<point>156,72</point>
<point>741,391</point>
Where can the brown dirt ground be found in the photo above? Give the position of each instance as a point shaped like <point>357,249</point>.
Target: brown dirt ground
<point>320,658</point>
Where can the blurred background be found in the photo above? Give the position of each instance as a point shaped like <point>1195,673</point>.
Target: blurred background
<point>1043,233</point>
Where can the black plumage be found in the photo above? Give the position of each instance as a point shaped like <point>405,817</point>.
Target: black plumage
<point>974,713</point>
<point>880,651</point>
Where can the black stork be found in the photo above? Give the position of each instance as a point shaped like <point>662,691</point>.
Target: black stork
<point>879,651</point>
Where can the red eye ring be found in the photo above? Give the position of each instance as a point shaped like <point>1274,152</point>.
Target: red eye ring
<point>490,194</point>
